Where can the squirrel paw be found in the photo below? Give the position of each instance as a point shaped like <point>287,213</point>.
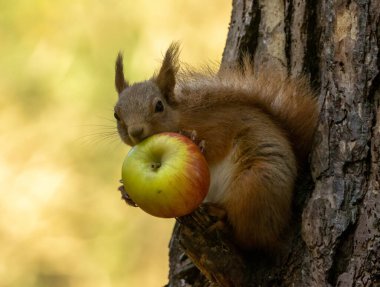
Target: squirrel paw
<point>194,137</point>
<point>214,210</point>
<point>125,196</point>
<point>218,216</point>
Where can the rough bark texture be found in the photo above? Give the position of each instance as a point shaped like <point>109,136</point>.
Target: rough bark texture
<point>335,234</point>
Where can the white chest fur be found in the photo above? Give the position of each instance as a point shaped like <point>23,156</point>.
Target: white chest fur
<point>221,176</point>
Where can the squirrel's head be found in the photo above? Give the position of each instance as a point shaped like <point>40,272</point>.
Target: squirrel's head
<point>147,108</point>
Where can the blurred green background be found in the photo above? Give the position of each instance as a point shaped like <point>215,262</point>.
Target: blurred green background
<point>62,222</point>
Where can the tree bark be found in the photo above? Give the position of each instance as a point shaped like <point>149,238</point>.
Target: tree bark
<point>335,234</point>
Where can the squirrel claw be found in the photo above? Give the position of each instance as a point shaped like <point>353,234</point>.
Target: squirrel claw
<point>193,135</point>
<point>202,146</point>
<point>125,197</point>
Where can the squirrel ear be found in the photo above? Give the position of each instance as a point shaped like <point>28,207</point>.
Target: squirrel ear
<point>165,79</point>
<point>120,81</point>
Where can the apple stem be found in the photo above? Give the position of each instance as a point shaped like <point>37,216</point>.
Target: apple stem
<point>156,165</point>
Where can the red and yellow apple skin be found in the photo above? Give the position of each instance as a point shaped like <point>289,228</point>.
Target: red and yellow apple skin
<point>166,175</point>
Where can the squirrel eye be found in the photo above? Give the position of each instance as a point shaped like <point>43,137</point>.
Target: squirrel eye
<point>116,116</point>
<point>159,107</point>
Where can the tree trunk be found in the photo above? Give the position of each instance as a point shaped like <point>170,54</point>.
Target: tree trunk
<point>335,234</point>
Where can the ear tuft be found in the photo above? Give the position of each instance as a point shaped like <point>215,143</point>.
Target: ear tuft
<point>165,79</point>
<point>120,81</point>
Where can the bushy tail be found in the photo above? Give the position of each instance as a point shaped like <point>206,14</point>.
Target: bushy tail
<point>292,102</point>
<point>294,105</point>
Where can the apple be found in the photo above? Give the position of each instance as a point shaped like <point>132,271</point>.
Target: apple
<point>166,175</point>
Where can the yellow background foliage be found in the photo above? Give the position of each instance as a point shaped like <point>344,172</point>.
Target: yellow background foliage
<point>62,222</point>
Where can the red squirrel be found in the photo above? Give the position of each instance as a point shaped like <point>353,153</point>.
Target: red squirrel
<point>256,131</point>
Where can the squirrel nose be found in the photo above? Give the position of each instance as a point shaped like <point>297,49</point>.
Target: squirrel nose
<point>135,132</point>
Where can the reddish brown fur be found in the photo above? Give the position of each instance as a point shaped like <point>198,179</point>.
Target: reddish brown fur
<point>290,102</point>
<point>255,128</point>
